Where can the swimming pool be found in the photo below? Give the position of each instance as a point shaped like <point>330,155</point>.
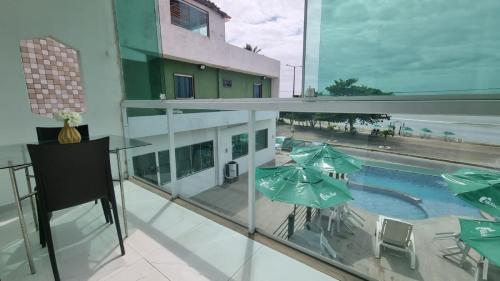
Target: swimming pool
<point>437,200</point>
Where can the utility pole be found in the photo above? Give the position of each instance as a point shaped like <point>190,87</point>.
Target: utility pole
<point>293,66</point>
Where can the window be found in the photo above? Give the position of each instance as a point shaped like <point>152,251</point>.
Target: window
<point>164,164</point>
<point>240,143</point>
<point>194,158</point>
<point>257,90</point>
<point>183,161</point>
<point>145,167</point>
<point>189,17</point>
<point>261,139</point>
<point>183,86</point>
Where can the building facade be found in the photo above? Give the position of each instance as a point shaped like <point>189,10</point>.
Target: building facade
<point>190,59</point>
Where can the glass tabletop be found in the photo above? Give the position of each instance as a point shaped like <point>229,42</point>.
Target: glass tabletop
<point>15,155</point>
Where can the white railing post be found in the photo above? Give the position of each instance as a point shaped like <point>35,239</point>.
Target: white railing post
<point>171,145</point>
<point>251,171</point>
<point>128,157</point>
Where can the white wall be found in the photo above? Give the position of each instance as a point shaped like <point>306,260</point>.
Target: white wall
<point>158,125</point>
<point>200,127</point>
<point>87,26</point>
<point>182,44</point>
<point>261,156</point>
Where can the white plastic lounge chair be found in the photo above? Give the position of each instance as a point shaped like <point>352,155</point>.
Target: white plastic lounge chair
<point>396,235</point>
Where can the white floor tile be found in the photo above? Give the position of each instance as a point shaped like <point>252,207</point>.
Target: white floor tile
<point>269,265</point>
<point>166,242</point>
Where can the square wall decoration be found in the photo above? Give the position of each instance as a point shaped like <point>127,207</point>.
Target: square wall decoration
<point>53,79</point>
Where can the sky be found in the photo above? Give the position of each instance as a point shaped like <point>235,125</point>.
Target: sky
<point>399,46</point>
<point>276,26</point>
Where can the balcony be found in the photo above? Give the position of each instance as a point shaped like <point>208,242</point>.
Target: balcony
<point>167,241</point>
<point>400,178</point>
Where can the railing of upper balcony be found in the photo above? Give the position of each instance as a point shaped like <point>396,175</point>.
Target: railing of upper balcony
<point>400,177</point>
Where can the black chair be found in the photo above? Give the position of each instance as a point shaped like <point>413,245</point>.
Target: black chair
<point>70,175</point>
<point>50,134</point>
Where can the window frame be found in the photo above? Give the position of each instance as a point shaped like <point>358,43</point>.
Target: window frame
<point>267,139</point>
<point>192,86</point>
<point>197,8</point>
<point>232,146</point>
<point>192,171</point>
<point>261,94</point>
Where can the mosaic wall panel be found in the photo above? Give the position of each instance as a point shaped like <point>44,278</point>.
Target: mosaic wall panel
<point>53,80</point>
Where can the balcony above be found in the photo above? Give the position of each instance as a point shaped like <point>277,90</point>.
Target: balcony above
<point>181,44</point>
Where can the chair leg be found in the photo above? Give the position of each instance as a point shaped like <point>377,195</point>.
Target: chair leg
<point>106,210</point>
<point>50,245</point>
<point>117,224</point>
<point>41,231</point>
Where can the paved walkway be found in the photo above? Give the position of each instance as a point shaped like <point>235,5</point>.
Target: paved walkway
<point>486,155</point>
<point>166,242</point>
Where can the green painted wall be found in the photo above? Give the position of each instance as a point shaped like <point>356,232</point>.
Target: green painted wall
<point>208,83</point>
<point>242,85</point>
<point>205,81</point>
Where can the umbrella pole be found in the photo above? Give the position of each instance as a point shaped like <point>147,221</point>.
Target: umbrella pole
<point>291,222</point>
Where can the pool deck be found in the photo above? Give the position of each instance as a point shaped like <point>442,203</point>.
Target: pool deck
<point>355,250</point>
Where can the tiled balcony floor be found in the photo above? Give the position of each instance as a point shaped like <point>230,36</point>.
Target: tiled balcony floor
<point>166,242</point>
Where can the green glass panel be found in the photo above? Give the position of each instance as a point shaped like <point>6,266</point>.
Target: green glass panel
<point>140,49</point>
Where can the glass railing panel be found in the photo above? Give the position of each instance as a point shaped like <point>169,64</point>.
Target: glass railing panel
<point>391,48</point>
<point>391,166</point>
<point>149,163</point>
<point>212,158</point>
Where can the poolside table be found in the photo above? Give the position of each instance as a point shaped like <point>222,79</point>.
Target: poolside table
<point>15,157</point>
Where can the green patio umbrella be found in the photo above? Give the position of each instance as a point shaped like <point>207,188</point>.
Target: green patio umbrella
<point>326,158</point>
<point>299,185</point>
<point>408,129</point>
<point>479,188</point>
<point>483,236</point>
<point>426,130</point>
<point>448,133</point>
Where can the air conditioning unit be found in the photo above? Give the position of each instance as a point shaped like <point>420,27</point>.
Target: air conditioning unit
<point>232,171</point>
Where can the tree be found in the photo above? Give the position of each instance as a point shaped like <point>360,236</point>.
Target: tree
<point>254,49</point>
<point>386,133</point>
<point>348,88</point>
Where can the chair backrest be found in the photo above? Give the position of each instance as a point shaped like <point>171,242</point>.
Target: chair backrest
<point>71,174</point>
<point>396,232</point>
<point>50,134</point>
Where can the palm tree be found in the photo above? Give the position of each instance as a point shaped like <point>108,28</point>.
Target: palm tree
<point>251,48</point>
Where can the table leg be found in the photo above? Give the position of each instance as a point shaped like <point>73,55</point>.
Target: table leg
<point>464,255</point>
<point>485,268</point>
<point>32,200</point>
<point>122,192</point>
<point>20,214</point>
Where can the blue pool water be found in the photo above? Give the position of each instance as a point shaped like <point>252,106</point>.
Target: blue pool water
<point>437,200</point>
